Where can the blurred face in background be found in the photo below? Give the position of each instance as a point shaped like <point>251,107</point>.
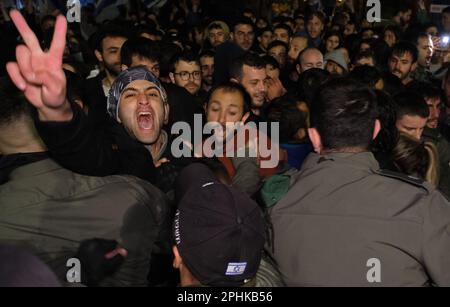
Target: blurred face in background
<point>265,39</point>
<point>425,48</point>
<point>297,45</point>
<point>390,38</point>
<point>244,36</point>
<point>332,43</point>
<point>314,27</point>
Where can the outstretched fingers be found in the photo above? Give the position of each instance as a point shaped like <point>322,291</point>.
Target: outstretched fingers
<point>27,34</point>
<point>59,38</point>
<point>15,75</point>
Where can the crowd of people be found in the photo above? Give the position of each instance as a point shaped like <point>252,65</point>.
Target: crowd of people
<point>359,117</point>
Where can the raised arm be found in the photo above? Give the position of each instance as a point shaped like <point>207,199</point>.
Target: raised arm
<point>39,74</point>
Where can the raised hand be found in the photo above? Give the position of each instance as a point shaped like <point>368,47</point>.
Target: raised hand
<point>39,74</point>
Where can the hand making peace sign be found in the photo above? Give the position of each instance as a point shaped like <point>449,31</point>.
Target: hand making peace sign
<point>39,74</point>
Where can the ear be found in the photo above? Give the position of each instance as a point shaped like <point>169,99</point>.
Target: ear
<point>232,36</point>
<point>124,67</point>
<point>414,67</point>
<point>166,113</point>
<point>245,117</point>
<point>376,129</point>
<point>316,140</point>
<point>98,55</point>
<point>177,261</point>
<point>172,77</point>
<point>297,67</point>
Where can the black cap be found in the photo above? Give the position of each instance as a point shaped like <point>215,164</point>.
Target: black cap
<point>219,231</point>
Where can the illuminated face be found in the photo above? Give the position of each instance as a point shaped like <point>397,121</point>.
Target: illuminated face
<point>225,107</point>
<point>402,65</point>
<point>187,75</point>
<point>244,36</point>
<point>434,105</point>
<point>412,125</point>
<point>332,43</point>
<point>314,27</point>
<point>254,81</point>
<point>425,48</point>
<point>142,111</point>
<point>110,55</point>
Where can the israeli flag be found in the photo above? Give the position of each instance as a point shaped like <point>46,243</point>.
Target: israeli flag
<point>236,268</point>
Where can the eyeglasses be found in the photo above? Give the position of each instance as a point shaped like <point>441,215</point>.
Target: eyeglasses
<point>185,75</point>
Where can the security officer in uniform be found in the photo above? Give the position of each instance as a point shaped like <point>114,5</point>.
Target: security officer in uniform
<point>346,223</point>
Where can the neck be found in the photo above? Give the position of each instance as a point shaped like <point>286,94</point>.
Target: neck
<point>28,142</point>
<point>206,87</point>
<point>109,80</point>
<point>156,147</point>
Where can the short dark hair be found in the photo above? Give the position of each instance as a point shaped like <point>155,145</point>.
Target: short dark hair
<point>243,21</point>
<point>366,54</point>
<point>366,74</point>
<point>402,8</point>
<point>284,27</point>
<point>269,60</point>
<point>13,104</point>
<point>277,44</point>
<point>317,14</point>
<point>110,30</point>
<point>141,47</point>
<point>426,90</point>
<point>344,114</point>
<point>185,56</point>
<point>403,47</point>
<point>419,36</point>
<point>260,32</point>
<point>309,82</point>
<point>209,53</point>
<point>446,10</point>
<point>232,87</point>
<point>394,29</point>
<point>409,103</point>
<point>248,59</point>
<point>284,110</point>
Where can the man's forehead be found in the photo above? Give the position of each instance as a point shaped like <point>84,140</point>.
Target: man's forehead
<point>244,27</point>
<point>250,71</point>
<point>140,84</point>
<point>186,65</point>
<point>113,40</point>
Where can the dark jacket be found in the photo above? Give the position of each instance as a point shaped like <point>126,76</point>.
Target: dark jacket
<point>85,147</point>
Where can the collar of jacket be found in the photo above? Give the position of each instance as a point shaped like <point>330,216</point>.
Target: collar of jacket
<point>363,160</point>
<point>34,169</point>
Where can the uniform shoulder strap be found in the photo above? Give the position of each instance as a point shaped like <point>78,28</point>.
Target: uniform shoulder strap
<point>406,178</point>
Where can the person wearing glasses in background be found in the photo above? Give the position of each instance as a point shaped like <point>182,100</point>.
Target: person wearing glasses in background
<point>186,72</point>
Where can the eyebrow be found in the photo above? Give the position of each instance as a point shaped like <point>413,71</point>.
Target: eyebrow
<point>133,89</point>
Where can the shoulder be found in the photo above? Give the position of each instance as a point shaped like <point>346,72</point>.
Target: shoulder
<point>408,180</point>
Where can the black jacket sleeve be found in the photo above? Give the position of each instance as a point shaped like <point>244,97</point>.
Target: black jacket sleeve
<point>87,148</point>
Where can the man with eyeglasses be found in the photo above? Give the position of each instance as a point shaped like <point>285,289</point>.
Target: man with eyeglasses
<point>186,72</point>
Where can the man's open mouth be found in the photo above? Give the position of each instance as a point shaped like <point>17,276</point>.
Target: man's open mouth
<point>145,120</point>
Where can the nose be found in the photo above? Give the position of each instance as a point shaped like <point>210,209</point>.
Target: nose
<point>222,118</point>
<point>142,99</point>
